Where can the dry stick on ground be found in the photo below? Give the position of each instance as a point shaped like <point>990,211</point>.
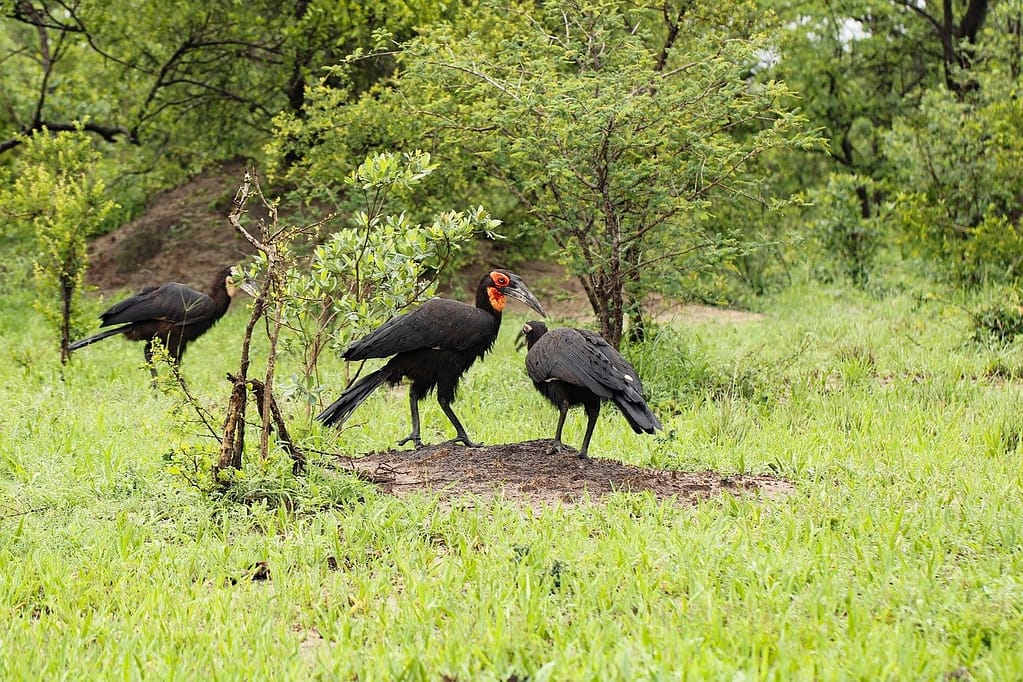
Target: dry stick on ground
<point>263,397</point>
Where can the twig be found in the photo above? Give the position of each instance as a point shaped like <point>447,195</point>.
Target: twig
<point>26,512</point>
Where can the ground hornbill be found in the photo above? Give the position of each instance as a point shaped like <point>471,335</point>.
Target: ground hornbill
<point>578,367</point>
<point>173,313</point>
<point>433,346</point>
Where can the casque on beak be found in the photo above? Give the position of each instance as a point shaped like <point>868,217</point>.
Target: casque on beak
<point>518,289</point>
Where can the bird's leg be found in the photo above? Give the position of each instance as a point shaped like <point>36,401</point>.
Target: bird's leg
<point>562,413</point>
<point>592,411</point>
<point>413,400</point>
<point>461,436</point>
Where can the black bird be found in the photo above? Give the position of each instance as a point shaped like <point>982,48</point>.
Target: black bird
<point>173,313</point>
<point>578,367</point>
<point>433,346</point>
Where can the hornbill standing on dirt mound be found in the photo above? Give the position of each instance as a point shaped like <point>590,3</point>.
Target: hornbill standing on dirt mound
<point>433,346</point>
<point>578,367</point>
<point>173,313</point>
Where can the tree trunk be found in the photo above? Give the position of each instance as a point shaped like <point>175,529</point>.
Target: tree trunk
<point>233,442</point>
<point>637,325</point>
<point>67,291</point>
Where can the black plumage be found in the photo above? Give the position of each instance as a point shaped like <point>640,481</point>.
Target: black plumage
<point>578,367</point>
<point>174,313</point>
<point>433,346</point>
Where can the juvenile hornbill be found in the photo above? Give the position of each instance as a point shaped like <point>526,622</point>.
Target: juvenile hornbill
<point>173,313</point>
<point>433,346</point>
<point>578,367</point>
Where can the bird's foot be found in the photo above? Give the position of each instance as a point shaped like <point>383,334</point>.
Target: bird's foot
<point>413,438</point>
<point>466,441</point>
<point>559,448</point>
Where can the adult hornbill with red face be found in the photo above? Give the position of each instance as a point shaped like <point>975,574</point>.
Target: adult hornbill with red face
<point>433,346</point>
<point>578,367</point>
<point>173,313</point>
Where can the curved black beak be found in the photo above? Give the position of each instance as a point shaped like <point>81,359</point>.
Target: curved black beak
<point>247,284</point>
<point>520,338</point>
<point>518,289</point>
<point>250,287</point>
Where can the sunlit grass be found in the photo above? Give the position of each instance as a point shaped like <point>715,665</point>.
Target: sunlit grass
<point>900,556</point>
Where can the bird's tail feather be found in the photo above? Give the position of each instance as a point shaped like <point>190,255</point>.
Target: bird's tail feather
<point>353,396</point>
<point>94,338</point>
<point>640,417</point>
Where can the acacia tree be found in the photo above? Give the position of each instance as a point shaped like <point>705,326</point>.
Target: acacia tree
<point>617,128</point>
<point>58,199</point>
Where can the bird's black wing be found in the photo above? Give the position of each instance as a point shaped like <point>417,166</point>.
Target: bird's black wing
<point>438,323</point>
<point>173,302</point>
<point>566,354</point>
<point>624,380</point>
<point>609,351</point>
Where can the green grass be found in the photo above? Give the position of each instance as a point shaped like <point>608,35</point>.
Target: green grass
<point>899,556</point>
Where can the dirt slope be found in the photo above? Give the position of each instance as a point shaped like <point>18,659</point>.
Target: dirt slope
<point>183,236</point>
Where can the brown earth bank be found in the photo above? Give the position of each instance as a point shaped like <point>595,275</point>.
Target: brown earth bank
<point>184,236</point>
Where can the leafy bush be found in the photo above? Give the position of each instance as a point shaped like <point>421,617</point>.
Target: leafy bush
<point>847,240</point>
<point>957,159</point>
<point>57,202</point>
<point>1000,322</point>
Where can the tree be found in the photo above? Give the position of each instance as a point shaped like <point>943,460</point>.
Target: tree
<point>617,128</point>
<point>956,162</point>
<point>377,265</point>
<point>178,86</point>
<point>57,196</point>
<point>357,278</point>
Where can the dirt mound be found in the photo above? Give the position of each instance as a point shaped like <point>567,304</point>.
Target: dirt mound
<point>183,236</point>
<point>542,472</point>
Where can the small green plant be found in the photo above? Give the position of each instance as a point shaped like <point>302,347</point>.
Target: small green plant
<point>357,277</point>
<point>1000,322</point>
<point>849,241</point>
<point>58,197</point>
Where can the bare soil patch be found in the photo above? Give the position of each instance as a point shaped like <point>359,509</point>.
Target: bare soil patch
<point>541,472</point>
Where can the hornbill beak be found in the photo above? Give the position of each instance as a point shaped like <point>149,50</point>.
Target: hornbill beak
<point>520,338</point>
<point>250,287</point>
<point>247,284</point>
<point>518,289</point>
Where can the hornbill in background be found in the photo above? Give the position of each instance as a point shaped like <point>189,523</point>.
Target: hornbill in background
<point>173,313</point>
<point>433,346</point>
<point>578,367</point>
